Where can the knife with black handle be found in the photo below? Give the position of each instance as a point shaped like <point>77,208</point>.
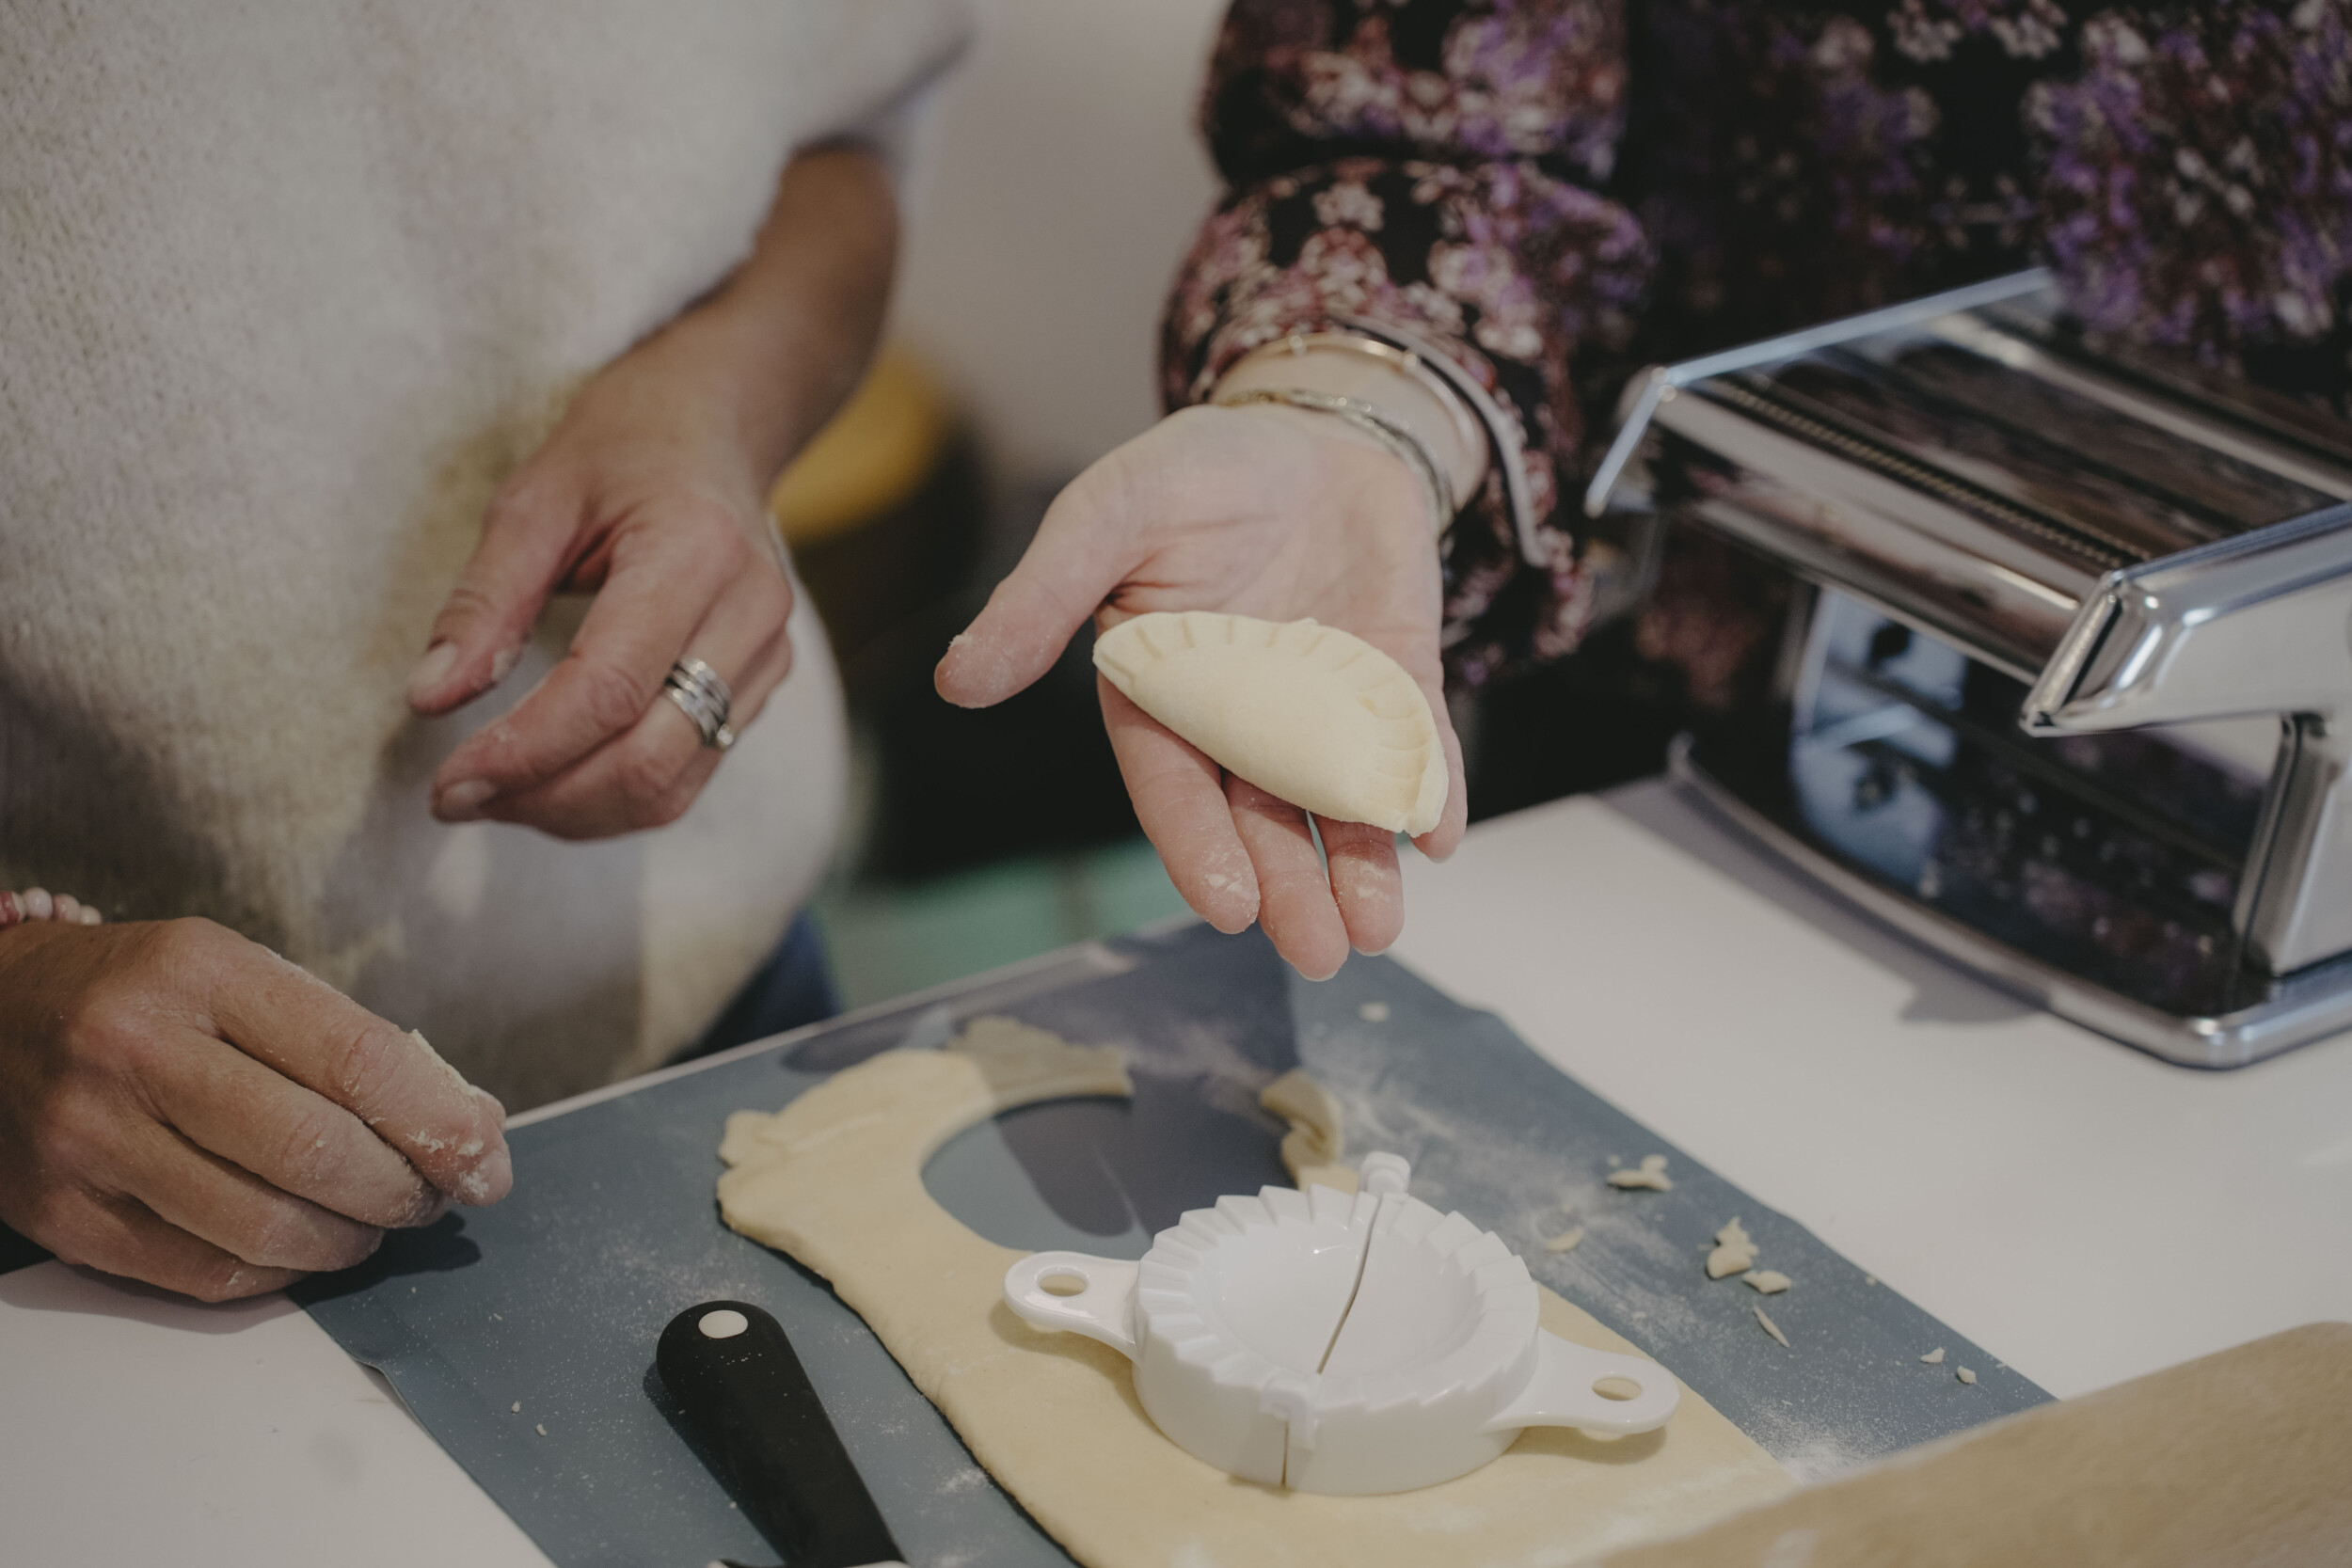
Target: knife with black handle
<point>734,1375</point>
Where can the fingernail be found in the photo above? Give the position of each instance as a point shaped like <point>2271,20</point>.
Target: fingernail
<point>431,671</point>
<point>490,1180</point>
<point>465,799</point>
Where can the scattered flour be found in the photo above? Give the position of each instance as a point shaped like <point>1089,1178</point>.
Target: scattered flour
<point>1633,1266</point>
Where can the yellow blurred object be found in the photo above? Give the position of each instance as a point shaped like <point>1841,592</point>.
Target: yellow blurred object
<point>876,453</point>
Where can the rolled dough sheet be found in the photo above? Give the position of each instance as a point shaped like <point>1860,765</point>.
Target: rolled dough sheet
<point>835,1180</point>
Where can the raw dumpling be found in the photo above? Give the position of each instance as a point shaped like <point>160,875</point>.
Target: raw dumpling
<point>1324,720</point>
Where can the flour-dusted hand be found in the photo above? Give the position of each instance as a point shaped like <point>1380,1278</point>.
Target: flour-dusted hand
<point>651,495</point>
<point>1266,511</point>
<point>643,498</point>
<point>184,1107</point>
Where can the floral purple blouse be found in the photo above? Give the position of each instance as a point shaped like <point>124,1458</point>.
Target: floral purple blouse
<point>1549,193</point>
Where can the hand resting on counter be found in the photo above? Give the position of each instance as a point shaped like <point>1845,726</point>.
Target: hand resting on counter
<point>184,1107</point>
<point>1260,511</point>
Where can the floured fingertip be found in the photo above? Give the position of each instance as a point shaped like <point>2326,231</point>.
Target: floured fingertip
<point>1317,971</point>
<point>429,1204</point>
<point>1228,902</point>
<point>490,1180</point>
<point>1428,845</point>
<point>255,1279</point>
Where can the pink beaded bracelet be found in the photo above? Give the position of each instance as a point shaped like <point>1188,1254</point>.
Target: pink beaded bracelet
<point>41,903</point>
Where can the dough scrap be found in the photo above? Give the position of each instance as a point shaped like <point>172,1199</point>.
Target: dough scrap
<point>1730,1259</point>
<point>1566,1240</point>
<point>1967,1377</point>
<point>836,1179</point>
<point>1651,1174</point>
<point>1317,1138</point>
<point>1770,1281</point>
<point>1308,712</point>
<point>1934,1357</point>
<point>1769,1327</point>
<point>1735,1252</point>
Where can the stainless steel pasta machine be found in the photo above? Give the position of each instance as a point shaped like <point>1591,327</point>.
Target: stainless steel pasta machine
<point>2066,689</point>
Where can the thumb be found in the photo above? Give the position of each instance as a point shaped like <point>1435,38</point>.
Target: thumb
<point>1078,556</point>
<point>526,545</point>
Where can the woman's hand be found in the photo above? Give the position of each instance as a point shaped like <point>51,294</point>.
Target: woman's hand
<point>643,496</point>
<point>651,493</point>
<point>182,1106</point>
<point>1262,511</point>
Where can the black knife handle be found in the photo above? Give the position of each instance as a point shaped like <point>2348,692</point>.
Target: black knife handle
<point>747,1398</point>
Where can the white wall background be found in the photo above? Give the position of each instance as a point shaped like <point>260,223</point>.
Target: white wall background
<point>1063,181</point>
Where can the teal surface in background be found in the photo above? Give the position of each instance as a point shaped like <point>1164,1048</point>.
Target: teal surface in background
<point>888,939</point>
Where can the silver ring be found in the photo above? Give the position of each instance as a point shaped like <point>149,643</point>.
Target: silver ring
<point>701,693</point>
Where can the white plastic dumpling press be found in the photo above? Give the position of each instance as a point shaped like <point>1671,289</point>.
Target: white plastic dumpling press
<point>1339,1342</point>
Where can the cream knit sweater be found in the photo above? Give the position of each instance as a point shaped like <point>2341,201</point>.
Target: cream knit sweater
<point>285,289</point>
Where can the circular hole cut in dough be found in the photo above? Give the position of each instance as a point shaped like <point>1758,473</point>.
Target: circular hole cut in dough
<point>835,1180</point>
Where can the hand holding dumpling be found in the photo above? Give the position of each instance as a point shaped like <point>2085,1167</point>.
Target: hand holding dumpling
<point>1265,512</point>
<point>1319,717</point>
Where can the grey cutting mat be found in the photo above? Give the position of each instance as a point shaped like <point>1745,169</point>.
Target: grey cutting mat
<point>553,1299</point>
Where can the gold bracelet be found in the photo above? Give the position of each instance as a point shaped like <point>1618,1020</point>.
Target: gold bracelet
<point>1468,428</point>
<point>1382,426</point>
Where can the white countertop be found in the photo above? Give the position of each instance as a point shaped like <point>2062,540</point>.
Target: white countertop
<point>2085,1211</point>
<point>2075,1206</point>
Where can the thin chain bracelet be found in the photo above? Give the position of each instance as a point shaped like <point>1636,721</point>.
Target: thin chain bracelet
<point>1382,426</point>
<point>41,903</point>
<point>1358,346</point>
